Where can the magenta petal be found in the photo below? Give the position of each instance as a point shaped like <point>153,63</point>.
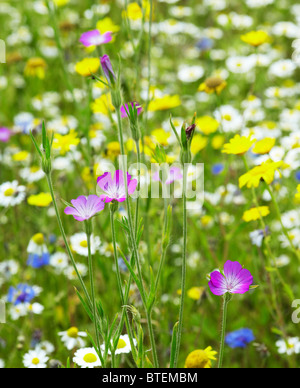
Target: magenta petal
<point>71,211</point>
<point>132,186</point>
<point>243,282</point>
<point>105,181</point>
<point>94,38</point>
<point>231,269</point>
<point>217,283</point>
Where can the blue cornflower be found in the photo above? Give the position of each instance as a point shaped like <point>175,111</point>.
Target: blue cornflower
<point>205,44</point>
<point>239,338</point>
<point>298,175</point>
<point>23,293</point>
<point>38,261</point>
<point>217,168</point>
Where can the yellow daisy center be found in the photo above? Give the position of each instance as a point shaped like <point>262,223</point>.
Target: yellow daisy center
<point>34,169</point>
<point>83,244</point>
<point>38,239</point>
<point>9,192</point>
<point>121,344</point>
<point>90,358</point>
<point>72,332</point>
<point>35,361</point>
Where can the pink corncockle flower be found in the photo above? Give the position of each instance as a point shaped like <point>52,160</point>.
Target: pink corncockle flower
<point>124,109</point>
<point>174,174</point>
<point>108,69</point>
<point>95,38</point>
<point>114,189</point>
<point>85,207</point>
<point>236,279</point>
<point>5,134</point>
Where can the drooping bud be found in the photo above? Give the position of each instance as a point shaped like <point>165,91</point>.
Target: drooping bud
<point>190,131</point>
<point>108,70</point>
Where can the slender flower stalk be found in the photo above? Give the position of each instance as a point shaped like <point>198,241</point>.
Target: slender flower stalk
<point>183,273</point>
<point>278,213</point>
<point>226,300</point>
<point>119,281</point>
<point>132,237</point>
<point>88,229</point>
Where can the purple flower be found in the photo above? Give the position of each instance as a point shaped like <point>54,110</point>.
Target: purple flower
<point>124,109</point>
<point>95,38</point>
<point>236,280</point>
<point>5,134</point>
<point>174,174</point>
<point>107,69</point>
<point>114,189</point>
<point>85,208</point>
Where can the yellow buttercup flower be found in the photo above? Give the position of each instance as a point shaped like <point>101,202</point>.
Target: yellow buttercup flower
<point>20,156</point>
<point>256,38</point>
<point>195,293</point>
<point>87,66</point>
<point>65,142</point>
<point>198,144</point>
<point>107,25</point>
<point>103,105</point>
<point>213,85</point>
<point>297,195</point>
<point>256,213</point>
<point>35,67</point>
<point>40,200</point>
<point>161,136</point>
<point>61,3</point>
<point>238,145</point>
<point>113,149</point>
<point>264,146</point>
<point>135,12</point>
<point>207,124</point>
<point>164,103</point>
<point>200,358</point>
<point>217,142</point>
<point>264,172</point>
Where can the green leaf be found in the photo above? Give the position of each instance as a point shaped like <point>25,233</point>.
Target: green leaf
<point>35,144</point>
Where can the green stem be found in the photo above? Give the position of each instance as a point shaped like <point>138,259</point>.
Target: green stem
<point>278,213</point>
<point>119,281</point>
<point>183,275</point>
<point>226,300</point>
<point>132,237</point>
<point>88,225</point>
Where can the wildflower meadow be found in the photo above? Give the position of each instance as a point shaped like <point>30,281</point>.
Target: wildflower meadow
<point>150,184</point>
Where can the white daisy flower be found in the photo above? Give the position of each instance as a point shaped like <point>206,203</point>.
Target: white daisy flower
<point>72,338</point>
<point>18,311</point>
<point>11,194</point>
<point>59,261</point>
<point>283,68</point>
<point>289,347</point>
<point>34,308</point>
<point>71,273</point>
<point>46,346</point>
<point>37,245</point>
<point>79,244</point>
<point>123,345</point>
<point>189,74</point>
<point>35,359</point>
<point>32,174</point>
<point>87,358</point>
